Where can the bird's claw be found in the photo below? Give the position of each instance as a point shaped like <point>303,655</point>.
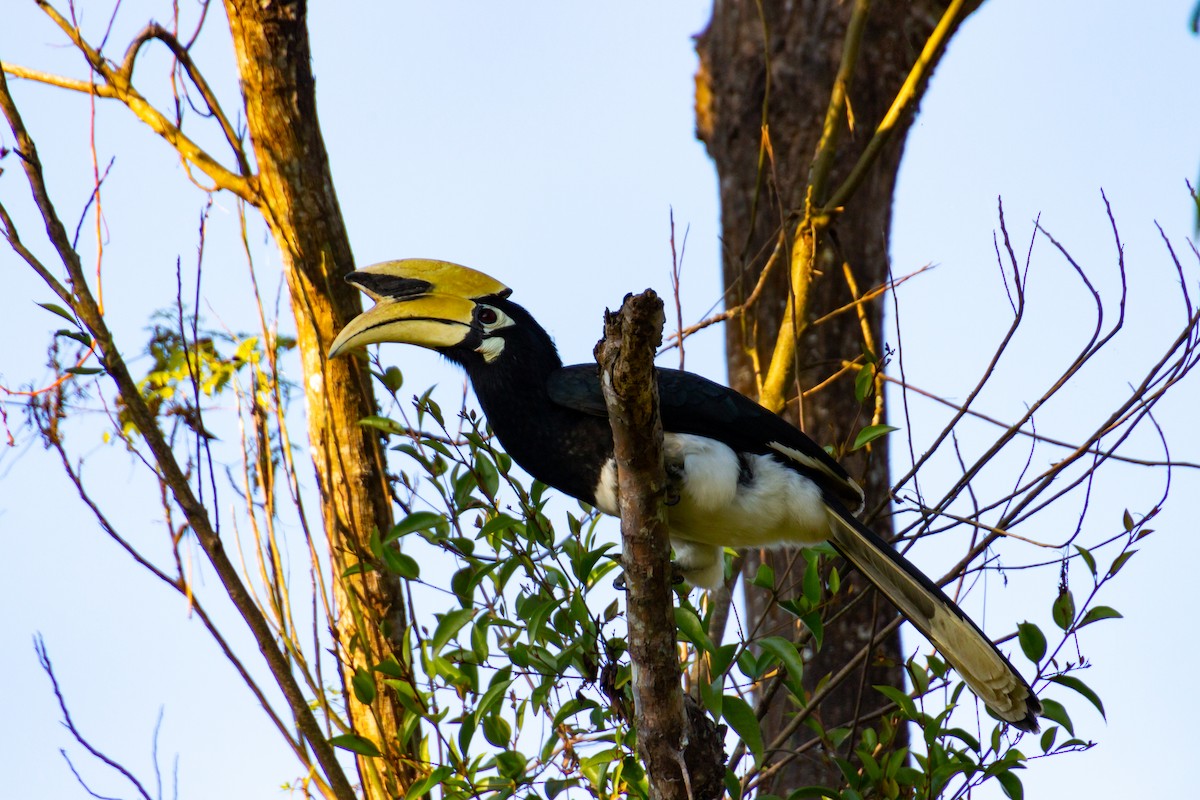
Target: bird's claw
<point>677,578</point>
<point>674,483</point>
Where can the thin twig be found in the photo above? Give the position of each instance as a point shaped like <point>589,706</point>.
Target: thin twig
<point>44,659</point>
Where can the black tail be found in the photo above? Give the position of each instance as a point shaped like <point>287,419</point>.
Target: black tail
<point>985,669</point>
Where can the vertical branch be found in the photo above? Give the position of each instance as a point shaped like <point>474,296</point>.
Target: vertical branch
<point>625,356</point>
<point>297,199</point>
<point>676,766</point>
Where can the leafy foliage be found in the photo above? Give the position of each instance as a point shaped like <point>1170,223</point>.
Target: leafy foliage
<point>187,366</point>
<point>520,680</point>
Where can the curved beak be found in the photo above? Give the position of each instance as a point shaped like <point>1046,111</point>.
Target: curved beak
<point>417,301</point>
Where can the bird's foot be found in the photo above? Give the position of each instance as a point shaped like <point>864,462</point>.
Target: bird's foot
<point>674,486</point>
<point>677,578</point>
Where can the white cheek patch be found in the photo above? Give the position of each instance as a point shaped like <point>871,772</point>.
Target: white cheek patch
<point>491,348</point>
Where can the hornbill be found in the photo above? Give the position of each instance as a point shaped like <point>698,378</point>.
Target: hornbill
<point>740,476</point>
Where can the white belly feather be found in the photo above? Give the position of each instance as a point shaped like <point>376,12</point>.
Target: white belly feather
<point>775,506</point>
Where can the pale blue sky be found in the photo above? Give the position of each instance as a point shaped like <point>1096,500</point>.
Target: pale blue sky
<point>545,143</point>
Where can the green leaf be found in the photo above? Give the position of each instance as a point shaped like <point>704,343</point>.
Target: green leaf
<point>62,312</point>
<point>1011,785</point>
<point>512,764</point>
<point>84,370</point>
<point>1120,562</point>
<point>400,563</point>
<point>450,624</point>
<point>1048,737</point>
<point>870,434</point>
<point>356,744</point>
<point>966,738</point>
<point>555,786</point>
<point>1071,682</point>
<point>764,578</point>
<point>1097,613</point>
<point>815,626</point>
<point>812,579</point>
<point>788,655</point>
<point>375,544</point>
<point>1054,711</point>
<point>78,336</point>
<point>919,676</point>
<point>416,521</point>
<point>390,667</point>
<point>383,424</point>
<point>723,657</point>
<point>740,716</point>
<point>393,379</point>
<point>357,569</point>
<point>496,689</point>
<point>1127,521</point>
<point>364,686</point>
<point>813,791</point>
<point>421,787</point>
<point>464,485</point>
<point>863,382</point>
<point>500,522</point>
<point>1063,609</point>
<point>870,765</point>
<point>407,696</point>
<point>486,476</point>
<point>497,730</point>
<point>1033,641</point>
<point>1088,558</point>
<point>900,698</point>
<point>693,629</point>
<point>732,785</point>
<point>711,696</point>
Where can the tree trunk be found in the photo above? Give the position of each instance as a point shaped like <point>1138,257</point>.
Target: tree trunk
<point>297,198</point>
<point>770,79</point>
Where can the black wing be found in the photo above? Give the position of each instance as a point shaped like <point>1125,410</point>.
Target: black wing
<point>691,404</point>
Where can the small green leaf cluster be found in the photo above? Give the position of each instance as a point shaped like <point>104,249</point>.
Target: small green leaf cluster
<point>518,681</point>
<point>189,367</point>
<point>75,333</point>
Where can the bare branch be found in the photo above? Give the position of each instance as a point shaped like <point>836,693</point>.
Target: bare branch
<point>44,660</point>
<point>952,17</point>
<point>61,81</point>
<point>116,84</point>
<point>86,308</point>
<point>183,56</point>
<point>677,767</point>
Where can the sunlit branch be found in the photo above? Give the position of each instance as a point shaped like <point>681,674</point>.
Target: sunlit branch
<point>85,307</point>
<point>117,85</point>
<point>183,56</point>
<point>48,668</point>
<point>951,18</point>
<point>1032,434</point>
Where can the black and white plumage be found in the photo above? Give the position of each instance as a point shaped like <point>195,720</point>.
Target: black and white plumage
<point>742,476</point>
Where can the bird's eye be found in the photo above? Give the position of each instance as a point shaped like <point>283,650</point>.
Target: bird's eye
<point>488,316</point>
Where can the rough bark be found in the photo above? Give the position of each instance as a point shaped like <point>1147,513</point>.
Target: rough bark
<point>297,198</point>
<point>683,756</point>
<point>767,71</point>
